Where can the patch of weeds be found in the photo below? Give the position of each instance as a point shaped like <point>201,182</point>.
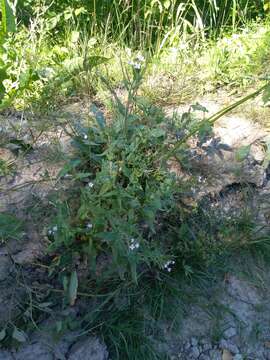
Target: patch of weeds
<point>6,167</point>
<point>123,230</point>
<point>10,227</point>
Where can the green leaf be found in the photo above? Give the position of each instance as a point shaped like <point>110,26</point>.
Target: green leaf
<point>266,94</point>
<point>157,133</point>
<point>242,153</point>
<point>69,167</point>
<point>100,119</point>
<point>59,326</point>
<point>19,335</point>
<point>8,23</point>
<point>10,226</point>
<point>108,236</point>
<point>133,268</point>
<point>167,4</point>
<point>73,288</point>
<point>80,11</point>
<point>93,61</point>
<point>2,334</point>
<point>199,107</point>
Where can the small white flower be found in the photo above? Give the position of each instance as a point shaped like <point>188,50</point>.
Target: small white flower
<point>140,58</point>
<point>90,184</point>
<point>89,226</point>
<point>85,137</point>
<point>54,229</point>
<point>131,63</point>
<point>134,244</point>
<point>50,232</point>
<point>137,66</point>
<point>167,265</point>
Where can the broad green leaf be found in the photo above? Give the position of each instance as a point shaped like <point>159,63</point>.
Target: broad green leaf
<point>2,334</point>
<point>19,335</point>
<point>93,61</point>
<point>73,288</point>
<point>53,22</point>
<point>100,119</point>
<point>157,133</point>
<point>242,153</point>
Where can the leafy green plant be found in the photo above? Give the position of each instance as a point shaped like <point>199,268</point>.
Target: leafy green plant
<point>123,191</point>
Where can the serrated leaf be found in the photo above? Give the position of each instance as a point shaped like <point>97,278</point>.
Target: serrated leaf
<point>19,335</point>
<point>242,153</point>
<point>2,334</point>
<point>73,288</point>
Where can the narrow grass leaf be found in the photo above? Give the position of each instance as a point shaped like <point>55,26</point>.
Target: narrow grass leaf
<point>73,288</point>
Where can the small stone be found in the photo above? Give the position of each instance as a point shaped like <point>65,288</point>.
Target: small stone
<point>194,341</point>
<point>204,357</point>
<point>226,355</point>
<point>229,333</point>
<point>194,352</point>
<point>228,345</point>
<point>215,355</point>
<point>207,346</point>
<point>238,357</point>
